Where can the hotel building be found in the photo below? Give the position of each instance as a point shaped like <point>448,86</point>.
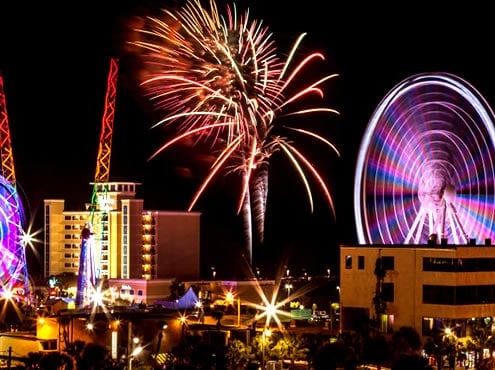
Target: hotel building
<point>130,242</point>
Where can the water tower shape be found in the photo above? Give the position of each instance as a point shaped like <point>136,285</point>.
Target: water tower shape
<point>425,167</point>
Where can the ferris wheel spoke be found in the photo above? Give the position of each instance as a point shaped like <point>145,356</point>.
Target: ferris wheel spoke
<point>426,164</point>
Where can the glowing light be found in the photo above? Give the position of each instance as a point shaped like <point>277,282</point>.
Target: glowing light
<point>229,298</point>
<point>289,287</point>
<point>98,299</point>
<point>183,319</point>
<point>426,165</point>
<point>7,294</point>
<point>136,351</point>
<point>13,268</point>
<point>222,83</point>
<point>266,333</point>
<point>29,238</point>
<point>271,309</point>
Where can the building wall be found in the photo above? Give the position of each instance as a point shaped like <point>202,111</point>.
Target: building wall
<point>114,246</point>
<point>176,235</point>
<point>61,238</point>
<point>177,244</point>
<point>358,285</point>
<point>131,234</point>
<point>152,290</point>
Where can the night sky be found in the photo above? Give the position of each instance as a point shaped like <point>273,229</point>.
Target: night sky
<point>54,60</point>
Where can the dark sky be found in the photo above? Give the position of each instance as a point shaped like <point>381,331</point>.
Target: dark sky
<point>54,61</point>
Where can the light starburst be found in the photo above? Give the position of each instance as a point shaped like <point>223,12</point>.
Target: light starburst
<point>271,309</point>
<point>29,238</point>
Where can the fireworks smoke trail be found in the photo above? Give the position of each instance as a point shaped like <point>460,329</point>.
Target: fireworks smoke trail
<point>219,80</point>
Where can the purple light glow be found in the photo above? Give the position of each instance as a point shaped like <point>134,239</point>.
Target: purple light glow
<point>13,269</point>
<point>425,165</point>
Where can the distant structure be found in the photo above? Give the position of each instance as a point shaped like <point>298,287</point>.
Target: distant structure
<point>13,267</point>
<point>424,198</point>
<point>141,244</point>
<point>89,265</point>
<point>114,238</point>
<point>426,165</point>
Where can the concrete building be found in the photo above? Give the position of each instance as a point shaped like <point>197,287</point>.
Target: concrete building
<point>130,242</point>
<point>427,287</point>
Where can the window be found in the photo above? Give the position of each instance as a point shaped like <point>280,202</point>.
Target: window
<point>388,263</point>
<point>348,262</point>
<point>438,294</point>
<point>360,262</point>
<point>388,292</point>
<point>49,345</point>
<point>140,292</point>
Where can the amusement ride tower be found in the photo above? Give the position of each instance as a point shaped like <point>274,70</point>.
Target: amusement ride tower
<point>13,267</point>
<point>94,236</point>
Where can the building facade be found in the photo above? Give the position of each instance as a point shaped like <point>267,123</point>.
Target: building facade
<point>427,287</point>
<point>130,242</point>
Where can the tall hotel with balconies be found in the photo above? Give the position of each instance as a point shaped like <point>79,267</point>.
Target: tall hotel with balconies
<point>130,242</point>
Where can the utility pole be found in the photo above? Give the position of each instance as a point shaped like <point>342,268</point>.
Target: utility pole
<point>9,359</point>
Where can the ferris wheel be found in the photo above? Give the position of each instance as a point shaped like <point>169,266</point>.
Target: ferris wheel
<point>425,167</point>
<point>13,273</point>
<point>13,267</point>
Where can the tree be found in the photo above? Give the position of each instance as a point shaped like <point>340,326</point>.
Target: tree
<point>406,346</point>
<point>378,301</point>
<point>329,355</point>
<point>239,355</point>
<point>217,315</point>
<point>411,362</point>
<point>377,351</point>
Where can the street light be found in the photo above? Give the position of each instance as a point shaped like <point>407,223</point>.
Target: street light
<point>289,287</point>
<point>266,333</point>
<point>134,353</point>
<point>161,329</point>
<point>183,322</point>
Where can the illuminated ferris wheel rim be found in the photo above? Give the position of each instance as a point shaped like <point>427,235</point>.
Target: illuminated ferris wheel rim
<point>443,81</point>
<point>12,262</point>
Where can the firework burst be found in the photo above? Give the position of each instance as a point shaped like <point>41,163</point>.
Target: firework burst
<point>219,80</point>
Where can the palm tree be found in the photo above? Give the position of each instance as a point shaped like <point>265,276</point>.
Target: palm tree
<point>479,334</point>
<point>55,361</point>
<point>329,355</point>
<point>239,355</point>
<point>32,361</point>
<point>433,347</point>
<point>377,351</point>
<point>290,347</point>
<point>378,301</point>
<point>406,346</point>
